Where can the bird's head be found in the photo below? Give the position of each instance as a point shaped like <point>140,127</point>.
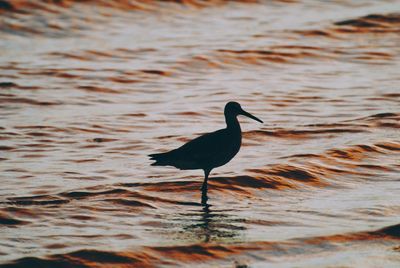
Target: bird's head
<point>233,108</point>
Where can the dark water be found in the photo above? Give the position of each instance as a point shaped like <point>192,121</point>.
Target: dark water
<point>88,89</point>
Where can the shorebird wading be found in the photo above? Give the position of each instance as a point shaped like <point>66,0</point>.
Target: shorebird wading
<point>210,150</point>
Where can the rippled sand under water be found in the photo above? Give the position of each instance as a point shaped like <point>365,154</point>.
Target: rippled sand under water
<point>88,89</point>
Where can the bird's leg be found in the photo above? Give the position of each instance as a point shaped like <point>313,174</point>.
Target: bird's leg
<point>204,187</point>
<point>204,197</point>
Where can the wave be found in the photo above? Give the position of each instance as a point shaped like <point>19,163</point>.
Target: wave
<point>319,170</point>
<point>373,23</point>
<point>312,131</point>
<point>289,54</point>
<point>6,220</point>
<point>196,253</point>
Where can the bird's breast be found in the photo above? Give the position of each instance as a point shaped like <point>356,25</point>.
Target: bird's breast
<point>227,150</point>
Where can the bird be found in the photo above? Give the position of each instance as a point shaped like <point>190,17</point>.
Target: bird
<point>210,150</point>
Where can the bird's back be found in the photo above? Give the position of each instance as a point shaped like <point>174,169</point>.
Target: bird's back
<point>205,152</point>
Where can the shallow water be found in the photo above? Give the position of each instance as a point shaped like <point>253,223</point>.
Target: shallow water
<point>88,90</point>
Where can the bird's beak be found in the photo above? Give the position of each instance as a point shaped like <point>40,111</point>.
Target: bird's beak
<point>243,112</point>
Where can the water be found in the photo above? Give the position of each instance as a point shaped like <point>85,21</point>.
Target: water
<point>88,90</point>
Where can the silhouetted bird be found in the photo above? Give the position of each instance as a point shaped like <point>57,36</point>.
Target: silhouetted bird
<point>210,150</point>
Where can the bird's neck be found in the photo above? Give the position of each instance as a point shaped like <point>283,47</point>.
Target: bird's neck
<point>232,123</point>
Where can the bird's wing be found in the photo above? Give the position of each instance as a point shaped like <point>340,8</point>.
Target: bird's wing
<point>203,147</point>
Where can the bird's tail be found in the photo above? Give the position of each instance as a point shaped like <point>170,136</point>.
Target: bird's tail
<point>161,159</point>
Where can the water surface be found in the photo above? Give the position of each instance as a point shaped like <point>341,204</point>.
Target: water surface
<point>88,90</point>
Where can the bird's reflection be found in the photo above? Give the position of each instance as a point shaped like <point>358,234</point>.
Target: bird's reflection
<point>205,224</point>
<point>206,216</point>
